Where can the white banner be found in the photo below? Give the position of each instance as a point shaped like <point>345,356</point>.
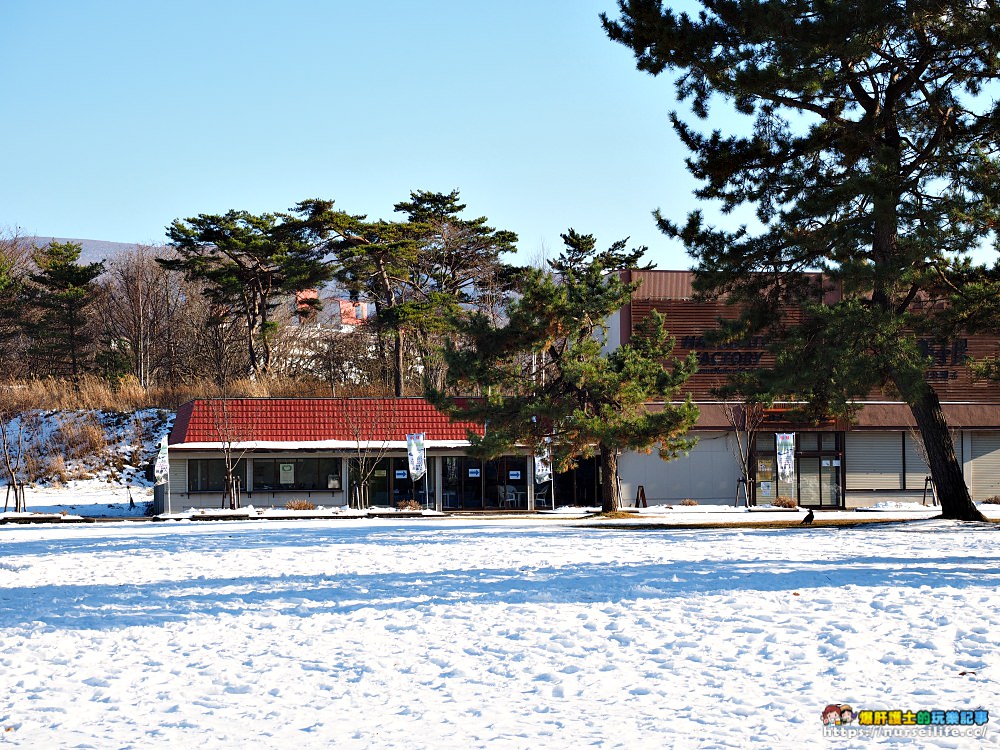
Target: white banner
<point>786,456</point>
<point>161,469</point>
<point>415,455</point>
<point>543,467</point>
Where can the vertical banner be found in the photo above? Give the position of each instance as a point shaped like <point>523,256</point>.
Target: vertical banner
<point>161,469</point>
<point>786,456</point>
<point>415,455</point>
<point>543,467</point>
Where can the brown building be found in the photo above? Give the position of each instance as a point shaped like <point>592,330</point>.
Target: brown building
<point>874,457</point>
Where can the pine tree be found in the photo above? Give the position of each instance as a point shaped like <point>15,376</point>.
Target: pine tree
<point>420,273</point>
<point>547,382</point>
<point>58,297</point>
<point>869,159</point>
<point>250,263</point>
<point>458,269</point>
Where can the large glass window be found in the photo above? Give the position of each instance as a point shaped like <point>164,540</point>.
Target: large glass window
<point>295,473</point>
<point>209,474</point>
<point>462,482</point>
<point>507,482</point>
<point>387,482</point>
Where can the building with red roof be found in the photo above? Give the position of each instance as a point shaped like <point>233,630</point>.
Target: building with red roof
<point>335,451</point>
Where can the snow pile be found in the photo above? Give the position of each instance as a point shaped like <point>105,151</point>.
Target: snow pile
<point>893,505</point>
<point>488,634</point>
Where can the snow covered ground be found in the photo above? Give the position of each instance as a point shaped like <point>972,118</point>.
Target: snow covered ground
<point>519,633</point>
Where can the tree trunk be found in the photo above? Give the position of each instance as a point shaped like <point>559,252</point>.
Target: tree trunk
<point>399,364</point>
<point>610,499</point>
<point>956,502</point>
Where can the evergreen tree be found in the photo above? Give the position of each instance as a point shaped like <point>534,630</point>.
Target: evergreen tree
<point>421,273</point>
<point>548,384</point>
<point>458,269</point>
<point>251,263</point>
<point>58,298</point>
<point>373,262</point>
<point>869,158</point>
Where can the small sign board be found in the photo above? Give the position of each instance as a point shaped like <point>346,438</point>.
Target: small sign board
<point>474,473</point>
<point>286,473</point>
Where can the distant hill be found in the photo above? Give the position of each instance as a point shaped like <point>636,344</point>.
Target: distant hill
<point>93,250</point>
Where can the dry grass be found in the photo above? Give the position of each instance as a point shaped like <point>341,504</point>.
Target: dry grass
<point>783,501</point>
<point>408,505</point>
<point>76,438</point>
<point>56,471</point>
<point>299,505</point>
<point>688,502</point>
<point>127,395</point>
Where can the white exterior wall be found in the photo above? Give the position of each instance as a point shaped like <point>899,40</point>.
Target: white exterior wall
<point>709,474</point>
<point>180,499</point>
<point>613,338</point>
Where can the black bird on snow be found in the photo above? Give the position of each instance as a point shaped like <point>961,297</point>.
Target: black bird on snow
<point>809,517</point>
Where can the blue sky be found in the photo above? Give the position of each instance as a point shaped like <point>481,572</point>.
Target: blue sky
<point>118,117</point>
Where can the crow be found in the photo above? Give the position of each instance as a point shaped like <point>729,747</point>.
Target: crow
<point>809,517</point>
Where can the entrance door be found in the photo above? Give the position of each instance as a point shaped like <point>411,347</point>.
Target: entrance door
<point>818,478</point>
<point>819,484</point>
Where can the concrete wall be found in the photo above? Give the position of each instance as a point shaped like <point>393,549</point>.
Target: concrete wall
<point>708,474</point>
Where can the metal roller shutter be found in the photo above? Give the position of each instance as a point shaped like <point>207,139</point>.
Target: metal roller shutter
<point>916,466</point>
<point>985,465</point>
<point>874,460</point>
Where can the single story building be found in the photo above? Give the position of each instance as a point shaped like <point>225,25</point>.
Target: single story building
<point>336,451</point>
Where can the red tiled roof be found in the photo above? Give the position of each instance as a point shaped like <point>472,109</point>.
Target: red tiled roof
<point>312,420</point>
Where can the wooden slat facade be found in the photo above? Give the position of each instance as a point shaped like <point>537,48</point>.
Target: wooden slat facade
<point>670,293</point>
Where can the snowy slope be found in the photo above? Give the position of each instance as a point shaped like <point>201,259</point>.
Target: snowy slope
<point>89,457</point>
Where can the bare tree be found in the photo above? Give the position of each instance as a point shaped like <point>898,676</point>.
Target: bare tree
<point>12,446</point>
<point>207,340</point>
<point>369,421</point>
<point>15,266</point>
<point>140,303</point>
<point>745,417</point>
<point>234,435</point>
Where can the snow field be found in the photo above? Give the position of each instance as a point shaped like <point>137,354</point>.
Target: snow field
<point>498,634</point>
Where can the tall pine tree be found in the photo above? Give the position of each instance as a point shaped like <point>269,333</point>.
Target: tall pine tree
<point>547,383</point>
<point>874,130</point>
<point>421,273</point>
<point>58,297</point>
<point>250,263</point>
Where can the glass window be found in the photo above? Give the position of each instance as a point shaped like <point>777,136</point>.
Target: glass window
<point>311,474</point>
<point>507,482</point>
<point>462,482</point>
<point>209,474</point>
<point>264,474</point>
<point>370,481</point>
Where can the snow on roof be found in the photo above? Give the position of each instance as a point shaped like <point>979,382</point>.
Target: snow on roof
<point>317,422</point>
